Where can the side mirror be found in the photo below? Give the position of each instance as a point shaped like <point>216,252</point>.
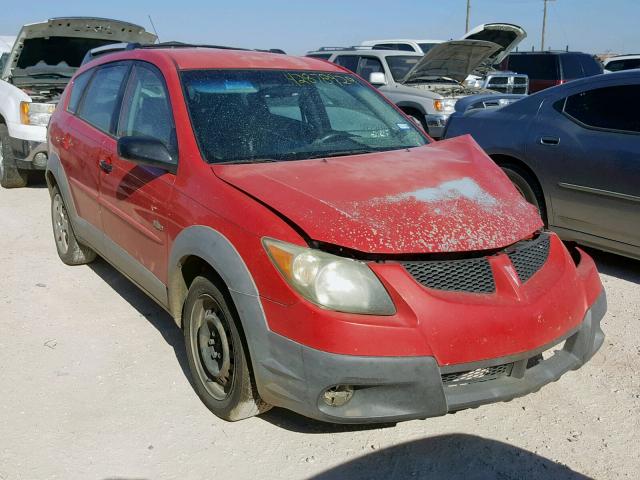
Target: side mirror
<point>377,78</point>
<point>146,151</point>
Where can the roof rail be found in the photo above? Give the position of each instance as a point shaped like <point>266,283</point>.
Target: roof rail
<point>119,47</point>
<point>354,47</point>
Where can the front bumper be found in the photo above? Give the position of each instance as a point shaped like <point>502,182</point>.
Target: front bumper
<point>29,155</point>
<point>436,124</point>
<point>390,389</point>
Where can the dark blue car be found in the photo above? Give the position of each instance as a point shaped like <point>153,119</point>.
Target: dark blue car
<point>573,151</point>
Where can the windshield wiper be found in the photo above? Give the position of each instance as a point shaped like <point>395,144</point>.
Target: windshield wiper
<point>247,160</point>
<point>343,153</point>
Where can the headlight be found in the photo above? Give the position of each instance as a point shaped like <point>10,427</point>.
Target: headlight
<point>446,105</point>
<point>332,282</point>
<point>36,113</point>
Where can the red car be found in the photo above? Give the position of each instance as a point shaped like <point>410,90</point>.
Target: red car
<point>319,251</point>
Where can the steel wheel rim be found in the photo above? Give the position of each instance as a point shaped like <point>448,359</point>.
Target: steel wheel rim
<point>212,347</point>
<point>60,224</point>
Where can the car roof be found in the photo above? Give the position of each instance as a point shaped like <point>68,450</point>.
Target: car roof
<point>192,58</point>
<point>623,57</point>
<point>375,53</point>
<point>550,52</point>
<point>406,40</point>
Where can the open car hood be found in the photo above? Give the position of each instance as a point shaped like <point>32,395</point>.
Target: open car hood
<point>445,197</point>
<point>455,59</point>
<point>506,35</point>
<point>99,29</point>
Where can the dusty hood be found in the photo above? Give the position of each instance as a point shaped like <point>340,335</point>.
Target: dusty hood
<point>58,41</point>
<point>506,35</point>
<point>445,197</point>
<point>455,59</point>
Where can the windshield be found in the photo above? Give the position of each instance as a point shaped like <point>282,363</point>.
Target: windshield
<point>425,47</point>
<point>270,115</point>
<point>400,65</point>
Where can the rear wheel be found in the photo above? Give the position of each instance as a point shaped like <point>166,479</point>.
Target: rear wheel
<point>528,188</point>
<point>70,250</point>
<point>217,359</point>
<point>10,175</point>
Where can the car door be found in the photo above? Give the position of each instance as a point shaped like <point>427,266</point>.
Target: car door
<point>134,197</point>
<point>590,144</point>
<point>92,104</point>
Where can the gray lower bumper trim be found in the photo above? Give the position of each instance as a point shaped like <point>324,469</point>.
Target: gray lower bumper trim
<point>390,389</point>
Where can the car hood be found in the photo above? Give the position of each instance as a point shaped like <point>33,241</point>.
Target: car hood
<point>445,197</point>
<point>110,31</point>
<point>455,59</point>
<point>506,35</point>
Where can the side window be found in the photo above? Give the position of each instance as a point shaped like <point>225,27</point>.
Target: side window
<point>101,99</point>
<point>284,105</point>
<point>369,65</point>
<point>611,108</point>
<point>77,88</point>
<point>146,110</point>
<point>538,67</point>
<point>322,56</point>
<point>350,62</point>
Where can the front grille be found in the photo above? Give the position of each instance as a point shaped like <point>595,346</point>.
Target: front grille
<point>499,81</point>
<point>520,80</point>
<point>472,275</point>
<point>530,257</point>
<point>476,376</point>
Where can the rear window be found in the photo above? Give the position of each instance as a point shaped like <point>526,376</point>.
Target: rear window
<point>619,65</point>
<point>579,66</point>
<point>350,62</point>
<point>537,67</point>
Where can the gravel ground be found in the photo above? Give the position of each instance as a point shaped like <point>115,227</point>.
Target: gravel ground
<point>94,385</point>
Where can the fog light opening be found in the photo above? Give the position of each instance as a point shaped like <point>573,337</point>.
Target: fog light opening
<point>338,396</point>
<point>40,158</point>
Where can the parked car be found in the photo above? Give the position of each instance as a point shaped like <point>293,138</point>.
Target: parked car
<point>621,62</point>
<point>43,59</point>
<point>574,152</point>
<point>485,75</point>
<point>425,87</point>
<point>319,252</point>
<point>548,69</point>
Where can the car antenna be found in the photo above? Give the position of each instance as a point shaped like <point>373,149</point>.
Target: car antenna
<point>154,27</point>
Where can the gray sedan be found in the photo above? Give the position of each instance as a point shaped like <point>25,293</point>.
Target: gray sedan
<point>573,151</point>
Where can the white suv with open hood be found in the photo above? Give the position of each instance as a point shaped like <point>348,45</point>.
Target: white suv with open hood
<point>425,87</point>
<point>485,75</point>
<point>41,63</point>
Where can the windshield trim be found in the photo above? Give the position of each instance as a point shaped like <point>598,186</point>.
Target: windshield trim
<point>202,150</point>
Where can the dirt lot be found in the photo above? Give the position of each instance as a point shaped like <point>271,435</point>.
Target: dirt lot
<point>93,385</point>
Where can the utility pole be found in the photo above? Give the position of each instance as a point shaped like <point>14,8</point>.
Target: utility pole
<point>468,15</point>
<point>544,24</point>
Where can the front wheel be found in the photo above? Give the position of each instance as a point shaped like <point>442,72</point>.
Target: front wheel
<point>10,175</point>
<point>217,358</point>
<point>527,187</point>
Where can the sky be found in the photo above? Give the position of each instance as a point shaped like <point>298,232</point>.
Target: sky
<point>594,26</point>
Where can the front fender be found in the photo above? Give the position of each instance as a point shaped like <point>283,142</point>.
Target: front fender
<point>10,98</point>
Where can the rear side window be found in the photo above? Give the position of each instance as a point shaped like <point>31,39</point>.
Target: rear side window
<point>537,67</point>
<point>394,46</point>
<point>101,100</point>
<point>350,62</point>
<point>619,65</point>
<point>591,66</point>
<point>79,84</point>
<point>323,56</point>
<point>611,108</point>
<point>146,110</point>
<point>571,67</point>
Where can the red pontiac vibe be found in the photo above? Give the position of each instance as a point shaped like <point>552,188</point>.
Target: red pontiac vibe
<point>318,250</point>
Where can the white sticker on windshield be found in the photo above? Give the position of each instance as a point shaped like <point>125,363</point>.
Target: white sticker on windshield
<point>403,126</point>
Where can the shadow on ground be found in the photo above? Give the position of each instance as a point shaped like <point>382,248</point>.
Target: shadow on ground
<point>454,456</point>
<point>616,265</point>
<point>139,300</point>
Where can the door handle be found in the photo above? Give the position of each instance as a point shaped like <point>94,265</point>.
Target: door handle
<point>105,166</point>
<point>549,140</point>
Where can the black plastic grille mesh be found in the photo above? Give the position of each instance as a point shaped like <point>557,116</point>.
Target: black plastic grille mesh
<point>472,275</point>
<point>477,375</point>
<point>530,257</point>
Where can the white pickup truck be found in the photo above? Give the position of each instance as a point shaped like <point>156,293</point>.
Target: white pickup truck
<point>42,61</point>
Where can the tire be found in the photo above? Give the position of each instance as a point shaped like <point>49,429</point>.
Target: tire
<point>70,250</point>
<point>528,188</point>
<point>10,175</point>
<point>217,357</point>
